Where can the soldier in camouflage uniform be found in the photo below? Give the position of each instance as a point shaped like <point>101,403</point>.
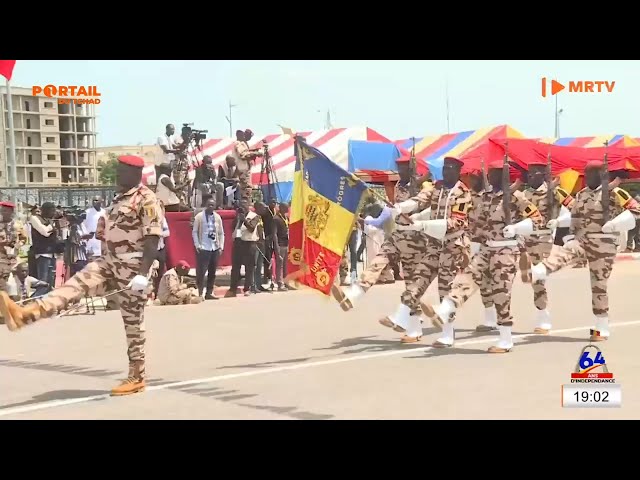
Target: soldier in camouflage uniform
<point>591,239</point>
<point>244,157</point>
<point>133,228</point>
<point>539,244</point>
<point>433,244</point>
<point>404,245</point>
<point>11,238</point>
<point>477,183</point>
<point>497,260</point>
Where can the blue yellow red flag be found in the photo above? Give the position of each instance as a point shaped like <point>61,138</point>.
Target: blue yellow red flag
<point>324,206</point>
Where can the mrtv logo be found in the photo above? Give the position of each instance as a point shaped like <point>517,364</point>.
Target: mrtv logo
<point>69,93</point>
<point>591,367</point>
<point>579,86</point>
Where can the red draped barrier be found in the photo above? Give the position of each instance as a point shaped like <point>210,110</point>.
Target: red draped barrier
<point>179,244</point>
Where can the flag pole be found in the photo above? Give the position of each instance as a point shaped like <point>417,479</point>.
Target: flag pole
<point>13,177</point>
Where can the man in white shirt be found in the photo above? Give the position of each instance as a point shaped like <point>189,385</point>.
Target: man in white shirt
<point>208,238</point>
<point>90,225</point>
<point>21,286</point>
<point>170,144</point>
<point>168,193</point>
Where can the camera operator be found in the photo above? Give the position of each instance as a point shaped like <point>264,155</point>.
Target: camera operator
<point>168,193</point>
<point>244,157</point>
<point>45,243</point>
<point>170,144</point>
<point>75,251</point>
<point>206,183</point>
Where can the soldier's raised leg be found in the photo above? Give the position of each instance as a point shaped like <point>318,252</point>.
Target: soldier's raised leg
<point>463,287</point>
<point>83,283</point>
<point>421,268</point>
<point>537,254</point>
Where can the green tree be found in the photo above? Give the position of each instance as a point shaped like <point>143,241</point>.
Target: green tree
<point>108,170</point>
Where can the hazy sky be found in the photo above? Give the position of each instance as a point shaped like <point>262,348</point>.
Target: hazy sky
<point>399,99</point>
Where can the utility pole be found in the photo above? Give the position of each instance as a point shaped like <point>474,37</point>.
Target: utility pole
<point>229,119</point>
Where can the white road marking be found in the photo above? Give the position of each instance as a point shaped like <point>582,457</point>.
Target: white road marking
<point>219,378</point>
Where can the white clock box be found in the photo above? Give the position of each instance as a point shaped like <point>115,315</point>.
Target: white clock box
<point>606,395</point>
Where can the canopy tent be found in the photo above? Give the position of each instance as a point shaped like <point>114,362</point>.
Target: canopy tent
<point>433,149</point>
<point>375,162</point>
<point>566,162</point>
<point>590,142</point>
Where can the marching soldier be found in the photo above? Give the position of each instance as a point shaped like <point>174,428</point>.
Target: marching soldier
<point>538,245</point>
<point>477,183</point>
<point>404,246</point>
<point>497,260</point>
<point>134,227</point>
<point>244,157</point>
<point>428,246</point>
<point>592,239</point>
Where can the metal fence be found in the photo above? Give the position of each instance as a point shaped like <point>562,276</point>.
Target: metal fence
<point>66,197</point>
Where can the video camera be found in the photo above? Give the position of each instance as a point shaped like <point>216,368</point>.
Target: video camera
<point>189,134</point>
<point>74,213</point>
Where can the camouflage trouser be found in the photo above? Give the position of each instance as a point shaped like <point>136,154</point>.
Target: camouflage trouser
<point>485,289</point>
<point>410,247</point>
<point>537,252</point>
<point>245,186</point>
<point>189,295</point>
<point>497,267</point>
<point>600,253</point>
<point>117,273</point>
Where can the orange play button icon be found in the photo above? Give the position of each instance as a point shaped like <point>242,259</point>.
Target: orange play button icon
<point>556,87</point>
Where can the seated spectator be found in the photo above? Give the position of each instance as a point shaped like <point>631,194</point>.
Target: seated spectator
<point>228,176</point>
<point>21,286</point>
<point>172,291</point>
<point>207,183</point>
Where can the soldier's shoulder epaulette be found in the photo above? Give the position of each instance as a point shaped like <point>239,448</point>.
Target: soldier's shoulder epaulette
<point>463,186</point>
<point>623,198</point>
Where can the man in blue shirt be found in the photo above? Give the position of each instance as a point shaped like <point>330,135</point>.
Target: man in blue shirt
<point>208,238</point>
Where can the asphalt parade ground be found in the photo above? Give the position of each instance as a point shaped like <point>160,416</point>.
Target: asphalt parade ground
<point>296,355</point>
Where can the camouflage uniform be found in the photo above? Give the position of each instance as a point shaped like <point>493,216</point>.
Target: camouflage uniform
<point>132,216</point>
<point>475,228</point>
<point>244,162</point>
<point>406,246</point>
<point>598,248</point>
<point>538,246</point>
<point>8,259</point>
<point>496,262</point>
<point>172,292</point>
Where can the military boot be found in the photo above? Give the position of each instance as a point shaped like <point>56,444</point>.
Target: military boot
<point>16,316</point>
<point>134,382</point>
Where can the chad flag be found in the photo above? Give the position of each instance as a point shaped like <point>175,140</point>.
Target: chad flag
<point>324,204</point>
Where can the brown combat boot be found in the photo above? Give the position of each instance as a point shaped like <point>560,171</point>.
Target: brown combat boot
<point>16,316</point>
<point>134,382</point>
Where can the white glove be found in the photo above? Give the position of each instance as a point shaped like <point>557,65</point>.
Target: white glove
<point>608,227</point>
<point>552,224</point>
<point>139,283</point>
<point>572,245</point>
<point>509,231</point>
<point>475,248</point>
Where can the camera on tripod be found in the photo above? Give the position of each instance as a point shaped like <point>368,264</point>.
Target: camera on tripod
<point>191,134</point>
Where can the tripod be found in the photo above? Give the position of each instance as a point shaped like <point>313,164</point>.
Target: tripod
<point>273,186</point>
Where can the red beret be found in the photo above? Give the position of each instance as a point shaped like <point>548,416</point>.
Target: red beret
<point>404,158</point>
<point>131,160</point>
<point>496,164</point>
<point>475,171</point>
<point>594,164</point>
<point>183,264</point>
<point>538,161</point>
<point>7,204</point>
<point>453,160</point>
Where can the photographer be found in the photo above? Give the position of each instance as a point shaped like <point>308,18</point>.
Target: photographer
<point>168,193</point>
<point>228,176</point>
<point>170,145</point>
<point>75,251</point>
<point>45,243</point>
<point>206,183</point>
<point>244,157</point>
<point>208,238</point>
